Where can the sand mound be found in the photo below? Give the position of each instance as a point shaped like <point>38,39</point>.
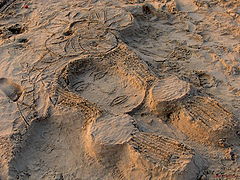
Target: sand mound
<point>166,94</point>
<point>118,89</point>
<point>167,158</point>
<point>205,120</point>
<point>107,137</point>
<point>115,141</point>
<point>91,31</point>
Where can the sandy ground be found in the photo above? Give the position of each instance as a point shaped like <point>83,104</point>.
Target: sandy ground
<point>127,89</point>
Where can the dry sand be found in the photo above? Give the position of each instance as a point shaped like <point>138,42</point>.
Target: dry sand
<point>127,89</point>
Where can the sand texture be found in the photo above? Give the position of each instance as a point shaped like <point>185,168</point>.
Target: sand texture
<point>119,89</point>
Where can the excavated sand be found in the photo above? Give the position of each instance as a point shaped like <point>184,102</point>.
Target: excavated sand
<point>126,89</point>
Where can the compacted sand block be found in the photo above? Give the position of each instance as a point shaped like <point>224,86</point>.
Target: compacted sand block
<point>165,94</point>
<point>205,120</point>
<point>106,138</point>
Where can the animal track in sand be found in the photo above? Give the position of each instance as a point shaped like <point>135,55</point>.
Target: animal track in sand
<point>206,80</point>
<point>12,30</point>
<point>2,3</point>
<point>201,79</point>
<point>180,53</point>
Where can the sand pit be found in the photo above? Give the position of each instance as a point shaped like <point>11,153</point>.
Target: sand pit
<point>127,89</point>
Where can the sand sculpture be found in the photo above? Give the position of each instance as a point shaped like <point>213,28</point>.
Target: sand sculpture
<point>85,96</point>
<point>165,95</point>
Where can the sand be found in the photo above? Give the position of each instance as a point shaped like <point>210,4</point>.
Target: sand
<point>127,89</point>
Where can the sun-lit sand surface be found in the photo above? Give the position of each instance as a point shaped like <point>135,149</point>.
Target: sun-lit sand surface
<point>119,89</point>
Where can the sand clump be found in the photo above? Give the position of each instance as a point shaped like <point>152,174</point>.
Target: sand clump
<point>106,146</point>
<point>110,85</point>
<point>166,94</point>
<point>205,120</point>
<point>126,89</point>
